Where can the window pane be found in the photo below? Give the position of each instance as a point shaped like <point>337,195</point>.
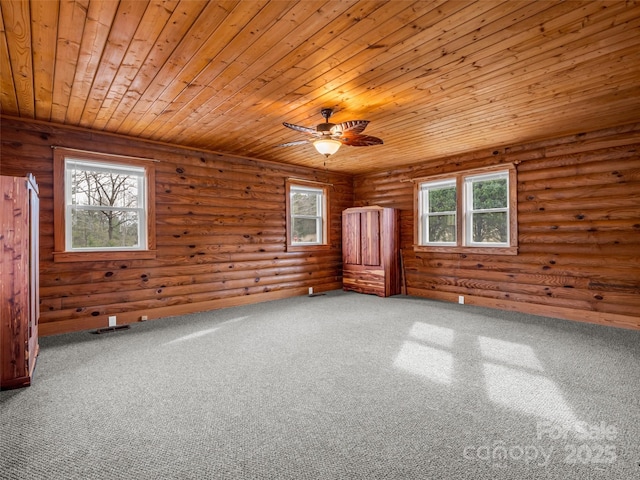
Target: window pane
<point>99,188</point>
<point>442,199</point>
<point>102,228</point>
<point>490,227</point>
<point>489,194</point>
<point>442,228</point>
<point>305,230</point>
<point>304,203</point>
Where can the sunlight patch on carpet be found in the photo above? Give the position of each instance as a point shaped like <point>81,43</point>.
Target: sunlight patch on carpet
<point>432,363</point>
<point>527,393</point>
<point>510,353</point>
<point>432,333</point>
<point>202,333</point>
<point>191,336</point>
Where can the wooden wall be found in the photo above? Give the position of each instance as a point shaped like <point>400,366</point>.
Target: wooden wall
<point>220,233</point>
<point>578,230</point>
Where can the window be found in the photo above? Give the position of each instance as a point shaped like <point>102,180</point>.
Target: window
<point>438,213</point>
<point>307,215</point>
<point>470,211</point>
<point>487,209</point>
<point>103,206</point>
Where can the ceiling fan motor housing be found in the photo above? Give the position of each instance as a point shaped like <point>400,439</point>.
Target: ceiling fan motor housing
<point>325,128</point>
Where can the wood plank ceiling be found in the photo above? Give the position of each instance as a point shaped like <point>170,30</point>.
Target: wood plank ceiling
<point>434,77</point>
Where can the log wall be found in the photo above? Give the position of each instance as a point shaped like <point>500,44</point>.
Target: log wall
<point>220,233</point>
<point>578,230</point>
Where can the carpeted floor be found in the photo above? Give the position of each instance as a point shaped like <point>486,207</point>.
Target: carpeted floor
<point>339,386</point>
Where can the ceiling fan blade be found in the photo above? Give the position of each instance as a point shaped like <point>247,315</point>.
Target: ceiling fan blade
<point>351,127</point>
<point>298,128</point>
<point>291,144</point>
<point>347,133</point>
<point>360,140</point>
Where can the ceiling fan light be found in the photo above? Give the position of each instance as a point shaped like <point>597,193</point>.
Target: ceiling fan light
<point>327,146</point>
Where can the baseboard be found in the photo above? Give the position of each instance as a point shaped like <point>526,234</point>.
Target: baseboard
<point>92,323</point>
<point>600,318</point>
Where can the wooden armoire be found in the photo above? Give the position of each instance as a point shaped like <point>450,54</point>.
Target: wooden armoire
<point>370,250</point>
<point>19,280</point>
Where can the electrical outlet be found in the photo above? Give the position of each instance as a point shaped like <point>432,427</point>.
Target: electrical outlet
<point>112,321</point>
<point>310,290</point>
<point>461,299</point>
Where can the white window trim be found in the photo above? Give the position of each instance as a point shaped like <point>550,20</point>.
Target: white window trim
<point>469,211</point>
<point>319,217</point>
<point>141,210</point>
<point>424,210</point>
<point>463,230</point>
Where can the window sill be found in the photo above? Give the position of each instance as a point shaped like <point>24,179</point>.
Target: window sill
<point>102,256</point>
<point>468,250</point>
<point>307,248</point>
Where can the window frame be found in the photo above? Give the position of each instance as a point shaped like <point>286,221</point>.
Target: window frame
<point>464,243</point>
<point>60,211</point>
<point>470,211</point>
<point>292,185</point>
<point>423,209</point>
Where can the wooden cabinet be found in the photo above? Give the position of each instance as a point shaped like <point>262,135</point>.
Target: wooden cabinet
<point>370,242</point>
<point>19,280</point>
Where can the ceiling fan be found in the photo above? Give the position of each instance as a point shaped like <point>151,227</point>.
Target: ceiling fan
<point>330,136</point>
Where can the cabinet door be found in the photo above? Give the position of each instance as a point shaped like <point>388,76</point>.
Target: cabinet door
<point>14,273</point>
<point>34,273</point>
<point>351,244</point>
<point>19,303</point>
<point>370,228</point>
